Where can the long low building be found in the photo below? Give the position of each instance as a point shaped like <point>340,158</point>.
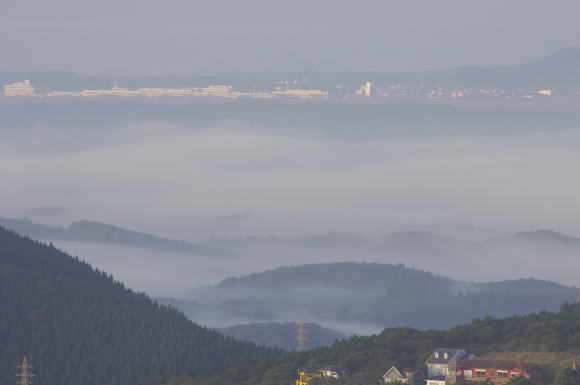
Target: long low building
<point>301,94</point>
<point>211,91</point>
<point>497,372</point>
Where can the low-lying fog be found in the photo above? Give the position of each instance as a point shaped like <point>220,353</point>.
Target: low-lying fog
<point>232,181</point>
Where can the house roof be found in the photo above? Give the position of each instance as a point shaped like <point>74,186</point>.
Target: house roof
<point>493,364</point>
<point>403,371</point>
<point>332,368</point>
<point>396,369</point>
<point>438,356</point>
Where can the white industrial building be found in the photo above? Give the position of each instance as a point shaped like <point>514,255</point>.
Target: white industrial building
<point>19,89</point>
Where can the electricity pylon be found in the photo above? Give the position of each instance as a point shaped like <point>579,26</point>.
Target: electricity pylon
<point>25,375</point>
<point>301,336</point>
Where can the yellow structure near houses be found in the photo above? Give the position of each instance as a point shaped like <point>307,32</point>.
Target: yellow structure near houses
<point>304,377</point>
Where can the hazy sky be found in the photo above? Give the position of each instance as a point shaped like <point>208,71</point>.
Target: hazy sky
<point>178,36</point>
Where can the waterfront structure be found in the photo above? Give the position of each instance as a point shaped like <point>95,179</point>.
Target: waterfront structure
<point>301,94</point>
<point>212,91</point>
<point>546,92</point>
<point>19,89</point>
<point>366,90</point>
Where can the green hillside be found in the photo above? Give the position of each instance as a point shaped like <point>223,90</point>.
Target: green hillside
<point>282,335</point>
<point>367,358</point>
<point>77,325</point>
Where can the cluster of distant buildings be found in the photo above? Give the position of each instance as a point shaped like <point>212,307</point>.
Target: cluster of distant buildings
<point>421,92</point>
<point>213,91</point>
<point>445,366</point>
<point>19,89</point>
<point>366,91</point>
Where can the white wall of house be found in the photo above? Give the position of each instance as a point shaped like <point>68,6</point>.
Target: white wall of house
<point>435,370</point>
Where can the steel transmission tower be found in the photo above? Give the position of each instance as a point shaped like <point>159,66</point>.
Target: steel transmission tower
<point>301,336</point>
<point>25,375</point>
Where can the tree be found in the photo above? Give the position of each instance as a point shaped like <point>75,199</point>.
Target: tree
<point>568,377</point>
<point>521,380</point>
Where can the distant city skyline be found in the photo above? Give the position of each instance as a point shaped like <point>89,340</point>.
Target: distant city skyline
<point>180,37</point>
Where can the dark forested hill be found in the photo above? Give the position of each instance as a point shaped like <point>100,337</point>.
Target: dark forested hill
<point>89,231</point>
<point>366,297</point>
<point>283,335</point>
<point>344,275</point>
<point>77,325</point>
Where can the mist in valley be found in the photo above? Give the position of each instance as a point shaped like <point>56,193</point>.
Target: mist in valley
<point>306,192</point>
<point>448,204</point>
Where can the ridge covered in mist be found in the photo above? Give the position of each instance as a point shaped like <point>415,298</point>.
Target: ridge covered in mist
<point>366,297</point>
<point>89,231</point>
<point>477,255</point>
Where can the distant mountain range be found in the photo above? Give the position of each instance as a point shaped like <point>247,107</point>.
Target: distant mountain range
<point>215,68</point>
<point>558,70</point>
<point>464,253</point>
<point>294,64</point>
<point>540,236</point>
<point>88,231</point>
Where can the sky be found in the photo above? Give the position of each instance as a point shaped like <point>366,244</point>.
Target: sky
<point>119,37</point>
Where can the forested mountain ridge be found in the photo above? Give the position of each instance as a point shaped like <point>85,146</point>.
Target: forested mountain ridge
<point>90,231</point>
<point>344,275</point>
<point>367,358</point>
<point>354,297</point>
<point>467,255</point>
<point>282,335</point>
<point>77,325</point>
<point>357,275</point>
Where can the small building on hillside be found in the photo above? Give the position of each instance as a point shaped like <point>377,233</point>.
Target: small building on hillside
<point>304,377</point>
<point>331,371</point>
<point>497,372</point>
<point>441,361</point>
<point>404,376</point>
